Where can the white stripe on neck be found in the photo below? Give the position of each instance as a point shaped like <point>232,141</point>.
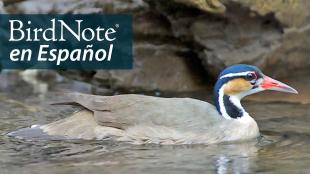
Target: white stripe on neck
<point>221,103</point>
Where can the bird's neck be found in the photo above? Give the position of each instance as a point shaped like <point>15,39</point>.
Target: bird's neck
<point>229,106</point>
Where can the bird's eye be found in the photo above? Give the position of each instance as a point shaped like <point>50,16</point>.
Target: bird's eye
<point>250,77</point>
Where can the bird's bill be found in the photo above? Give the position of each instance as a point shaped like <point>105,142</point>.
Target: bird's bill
<point>272,84</point>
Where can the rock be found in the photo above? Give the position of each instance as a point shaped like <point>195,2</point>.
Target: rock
<point>154,68</point>
<point>106,7</point>
<point>170,35</point>
<point>42,7</point>
<point>157,65</point>
<point>148,25</point>
<point>213,6</point>
<point>79,75</point>
<point>9,2</point>
<point>292,13</point>
<point>249,31</point>
<point>293,54</point>
<point>76,7</point>
<point>243,40</point>
<point>222,40</point>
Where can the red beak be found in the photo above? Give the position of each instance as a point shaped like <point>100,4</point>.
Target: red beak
<point>272,84</point>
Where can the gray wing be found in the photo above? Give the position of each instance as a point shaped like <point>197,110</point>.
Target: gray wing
<point>123,111</point>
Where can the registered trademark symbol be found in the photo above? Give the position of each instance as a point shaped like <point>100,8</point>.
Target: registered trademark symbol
<point>117,25</point>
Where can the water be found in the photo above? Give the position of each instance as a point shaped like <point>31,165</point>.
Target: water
<point>25,101</point>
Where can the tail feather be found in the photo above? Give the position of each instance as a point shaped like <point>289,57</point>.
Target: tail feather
<point>35,133</point>
<point>79,125</point>
<point>57,130</point>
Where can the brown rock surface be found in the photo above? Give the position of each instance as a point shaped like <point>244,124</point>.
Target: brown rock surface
<point>291,13</point>
<point>293,54</point>
<point>270,34</point>
<point>213,6</point>
<point>154,68</point>
<point>245,40</point>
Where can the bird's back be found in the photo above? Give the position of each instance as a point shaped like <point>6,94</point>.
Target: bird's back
<point>123,111</point>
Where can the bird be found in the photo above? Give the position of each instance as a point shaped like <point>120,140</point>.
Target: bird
<point>140,119</point>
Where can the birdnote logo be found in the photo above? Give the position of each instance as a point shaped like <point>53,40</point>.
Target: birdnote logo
<point>66,41</point>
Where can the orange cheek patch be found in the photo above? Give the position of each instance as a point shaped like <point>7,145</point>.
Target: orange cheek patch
<point>236,85</point>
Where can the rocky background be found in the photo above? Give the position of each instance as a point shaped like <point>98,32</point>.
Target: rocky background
<point>183,45</point>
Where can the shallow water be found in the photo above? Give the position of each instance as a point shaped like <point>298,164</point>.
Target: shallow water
<point>25,102</point>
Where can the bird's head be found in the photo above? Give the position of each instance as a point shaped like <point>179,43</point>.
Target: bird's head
<point>238,81</point>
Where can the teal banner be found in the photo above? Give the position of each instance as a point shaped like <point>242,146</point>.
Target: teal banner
<point>96,41</point>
